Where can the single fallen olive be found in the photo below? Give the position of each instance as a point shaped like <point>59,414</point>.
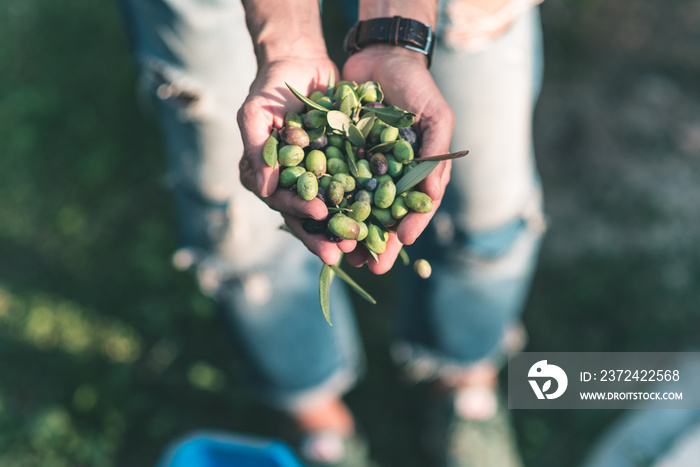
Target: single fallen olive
<point>385,194</point>
<point>376,239</point>
<point>290,155</point>
<point>422,268</point>
<point>307,186</point>
<point>360,210</point>
<point>344,227</point>
<point>418,202</point>
<point>334,193</point>
<point>316,162</point>
<point>294,135</point>
<point>289,176</point>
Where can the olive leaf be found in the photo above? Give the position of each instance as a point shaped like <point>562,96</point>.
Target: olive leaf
<point>352,163</point>
<point>306,100</point>
<point>393,116</point>
<point>348,104</point>
<point>324,287</point>
<point>338,121</point>
<point>355,136</point>
<point>373,255</point>
<point>348,280</point>
<point>442,157</point>
<point>316,133</point>
<point>403,254</point>
<point>414,176</point>
<point>383,147</point>
<point>331,83</point>
<point>270,149</point>
<point>365,124</point>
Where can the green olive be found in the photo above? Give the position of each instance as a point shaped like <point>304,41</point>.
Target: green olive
<point>289,176</point>
<point>419,202</point>
<point>307,186</point>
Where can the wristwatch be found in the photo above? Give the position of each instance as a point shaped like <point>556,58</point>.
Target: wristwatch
<point>402,32</point>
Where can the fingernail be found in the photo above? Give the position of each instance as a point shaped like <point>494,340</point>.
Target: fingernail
<point>261,182</point>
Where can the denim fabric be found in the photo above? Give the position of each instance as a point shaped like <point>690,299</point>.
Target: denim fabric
<point>196,62</point>
<point>484,239</point>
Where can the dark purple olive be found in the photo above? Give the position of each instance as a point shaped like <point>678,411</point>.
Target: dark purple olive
<point>411,137</point>
<point>314,226</point>
<point>319,143</point>
<point>333,237</point>
<point>378,164</point>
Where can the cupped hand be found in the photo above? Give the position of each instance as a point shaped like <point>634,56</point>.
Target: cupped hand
<point>267,103</point>
<point>406,83</point>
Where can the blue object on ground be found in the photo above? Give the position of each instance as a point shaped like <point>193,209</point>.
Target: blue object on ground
<point>219,449</point>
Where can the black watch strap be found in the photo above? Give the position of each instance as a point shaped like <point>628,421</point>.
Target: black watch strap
<point>402,32</point>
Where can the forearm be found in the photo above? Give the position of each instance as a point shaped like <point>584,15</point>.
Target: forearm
<point>420,10</point>
<point>282,29</point>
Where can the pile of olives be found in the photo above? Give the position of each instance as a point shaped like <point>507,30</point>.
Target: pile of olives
<point>351,151</point>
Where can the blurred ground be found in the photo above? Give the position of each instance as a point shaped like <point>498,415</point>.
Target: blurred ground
<point>106,353</point>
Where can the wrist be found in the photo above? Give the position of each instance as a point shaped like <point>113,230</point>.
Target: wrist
<point>388,53</point>
<point>284,30</point>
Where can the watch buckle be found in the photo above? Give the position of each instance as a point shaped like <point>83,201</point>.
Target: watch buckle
<point>425,50</point>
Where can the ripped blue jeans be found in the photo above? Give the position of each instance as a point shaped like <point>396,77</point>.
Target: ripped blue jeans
<point>196,62</point>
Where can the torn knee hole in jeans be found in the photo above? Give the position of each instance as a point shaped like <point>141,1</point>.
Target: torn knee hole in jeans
<point>215,276</point>
<point>170,84</point>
